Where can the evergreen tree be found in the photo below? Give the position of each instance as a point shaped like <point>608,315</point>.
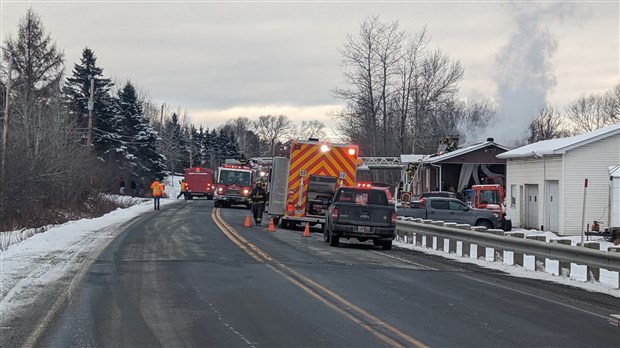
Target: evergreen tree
<point>77,93</point>
<point>138,137</point>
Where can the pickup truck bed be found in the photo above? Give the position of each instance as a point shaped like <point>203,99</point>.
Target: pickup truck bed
<point>452,210</point>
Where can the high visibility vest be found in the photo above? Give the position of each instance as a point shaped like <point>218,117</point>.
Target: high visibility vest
<point>157,189</point>
<point>183,186</point>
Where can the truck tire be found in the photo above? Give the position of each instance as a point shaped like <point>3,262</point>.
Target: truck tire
<point>386,245</point>
<point>507,225</point>
<point>216,204</point>
<point>334,241</point>
<point>484,223</point>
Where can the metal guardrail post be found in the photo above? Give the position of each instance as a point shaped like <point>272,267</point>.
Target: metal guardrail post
<point>594,273</point>
<point>539,263</point>
<point>615,249</point>
<point>518,258</point>
<point>564,266</point>
<point>498,253</point>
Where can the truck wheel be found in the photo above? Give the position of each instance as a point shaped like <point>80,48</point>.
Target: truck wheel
<point>216,204</point>
<point>485,223</point>
<point>507,225</point>
<point>334,241</point>
<point>386,245</point>
<point>285,224</point>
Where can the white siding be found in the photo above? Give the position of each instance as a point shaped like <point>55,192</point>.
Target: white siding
<point>532,171</point>
<point>591,161</point>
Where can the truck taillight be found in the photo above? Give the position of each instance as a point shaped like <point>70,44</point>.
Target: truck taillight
<point>394,217</point>
<point>289,209</point>
<point>335,213</point>
<point>245,192</point>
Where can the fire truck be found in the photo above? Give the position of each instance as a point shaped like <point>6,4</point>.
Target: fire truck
<point>491,197</point>
<point>199,182</point>
<point>302,182</point>
<point>234,184</point>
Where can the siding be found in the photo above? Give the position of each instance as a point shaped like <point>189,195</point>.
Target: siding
<point>591,161</point>
<point>532,171</point>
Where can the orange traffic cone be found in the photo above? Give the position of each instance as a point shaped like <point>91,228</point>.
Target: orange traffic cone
<point>247,221</point>
<point>307,230</point>
<point>271,227</point>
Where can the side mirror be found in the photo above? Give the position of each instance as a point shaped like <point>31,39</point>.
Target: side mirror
<point>466,208</point>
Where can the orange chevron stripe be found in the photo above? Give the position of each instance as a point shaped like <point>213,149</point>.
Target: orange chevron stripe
<point>315,162</point>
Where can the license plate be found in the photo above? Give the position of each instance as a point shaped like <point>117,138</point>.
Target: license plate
<point>363,228</point>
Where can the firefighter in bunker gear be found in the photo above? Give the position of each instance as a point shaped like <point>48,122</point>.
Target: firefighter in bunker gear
<point>157,190</point>
<point>258,197</point>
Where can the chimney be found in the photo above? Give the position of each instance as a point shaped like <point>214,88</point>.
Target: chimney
<point>490,140</point>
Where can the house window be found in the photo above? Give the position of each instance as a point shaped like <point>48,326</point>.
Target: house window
<point>513,196</point>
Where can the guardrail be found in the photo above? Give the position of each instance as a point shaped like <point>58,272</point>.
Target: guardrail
<point>426,232</point>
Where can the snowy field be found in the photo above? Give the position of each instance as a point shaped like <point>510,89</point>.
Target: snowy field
<point>58,254</point>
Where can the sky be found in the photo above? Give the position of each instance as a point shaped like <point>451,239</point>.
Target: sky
<point>218,60</point>
<point>27,265</point>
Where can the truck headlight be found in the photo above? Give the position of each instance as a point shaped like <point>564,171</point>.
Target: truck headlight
<point>496,215</point>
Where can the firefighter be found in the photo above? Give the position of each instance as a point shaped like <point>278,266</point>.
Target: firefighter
<point>258,197</point>
<point>157,190</point>
<point>183,192</point>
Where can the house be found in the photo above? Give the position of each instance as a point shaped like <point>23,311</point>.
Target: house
<point>546,181</point>
<point>453,169</point>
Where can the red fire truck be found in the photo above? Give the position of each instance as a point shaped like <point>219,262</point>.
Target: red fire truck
<point>199,182</point>
<point>302,184</point>
<point>234,184</point>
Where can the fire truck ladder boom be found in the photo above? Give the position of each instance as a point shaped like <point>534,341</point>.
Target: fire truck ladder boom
<point>380,163</point>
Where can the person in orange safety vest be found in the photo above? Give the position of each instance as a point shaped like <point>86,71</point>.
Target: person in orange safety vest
<point>184,189</point>
<point>157,190</point>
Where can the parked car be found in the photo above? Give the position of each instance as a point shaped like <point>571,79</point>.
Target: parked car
<point>451,210</point>
<point>364,213</point>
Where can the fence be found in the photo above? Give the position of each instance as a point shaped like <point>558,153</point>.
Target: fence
<point>433,234</point>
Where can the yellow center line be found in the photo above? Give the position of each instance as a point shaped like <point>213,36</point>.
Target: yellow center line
<point>305,284</point>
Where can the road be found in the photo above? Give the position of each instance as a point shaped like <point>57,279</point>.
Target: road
<point>192,275</point>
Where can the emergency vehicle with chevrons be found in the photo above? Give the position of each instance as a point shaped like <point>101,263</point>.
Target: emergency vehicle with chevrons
<point>303,182</point>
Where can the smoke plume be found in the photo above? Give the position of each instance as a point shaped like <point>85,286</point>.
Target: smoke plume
<point>525,73</point>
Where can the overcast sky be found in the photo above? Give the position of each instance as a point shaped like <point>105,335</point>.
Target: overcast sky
<point>220,60</point>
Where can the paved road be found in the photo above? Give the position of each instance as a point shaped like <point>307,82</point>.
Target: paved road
<point>191,275</point>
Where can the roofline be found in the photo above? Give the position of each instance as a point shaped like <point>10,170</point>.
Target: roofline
<point>612,132</point>
<point>473,147</point>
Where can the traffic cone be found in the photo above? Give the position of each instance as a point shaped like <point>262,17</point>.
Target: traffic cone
<point>307,230</point>
<point>247,221</point>
<point>271,227</point>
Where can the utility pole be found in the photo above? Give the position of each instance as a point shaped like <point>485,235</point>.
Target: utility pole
<point>191,148</point>
<point>5,129</point>
<point>91,106</point>
<point>161,121</point>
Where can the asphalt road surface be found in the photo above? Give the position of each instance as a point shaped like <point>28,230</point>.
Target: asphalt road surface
<point>190,275</point>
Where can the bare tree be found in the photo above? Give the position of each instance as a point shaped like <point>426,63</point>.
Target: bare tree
<point>270,128</point>
<point>611,107</point>
<point>240,126</point>
<point>587,113</point>
<point>309,129</point>
<point>548,125</point>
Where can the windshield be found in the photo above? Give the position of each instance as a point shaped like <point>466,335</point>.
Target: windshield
<point>230,177</point>
<point>489,197</point>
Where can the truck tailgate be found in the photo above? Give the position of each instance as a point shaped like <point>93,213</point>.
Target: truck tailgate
<point>367,215</point>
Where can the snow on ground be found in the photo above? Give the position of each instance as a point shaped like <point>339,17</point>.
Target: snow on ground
<point>59,253</point>
<point>608,281</point>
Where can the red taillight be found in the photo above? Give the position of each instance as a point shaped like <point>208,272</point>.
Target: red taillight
<point>394,217</point>
<point>335,213</point>
<point>289,209</point>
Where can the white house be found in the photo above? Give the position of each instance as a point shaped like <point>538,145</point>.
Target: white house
<point>546,181</point>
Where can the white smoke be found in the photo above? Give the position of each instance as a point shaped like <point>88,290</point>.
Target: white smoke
<point>525,73</point>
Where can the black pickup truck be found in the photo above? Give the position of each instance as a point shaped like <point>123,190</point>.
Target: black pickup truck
<point>451,210</point>
<point>362,213</point>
